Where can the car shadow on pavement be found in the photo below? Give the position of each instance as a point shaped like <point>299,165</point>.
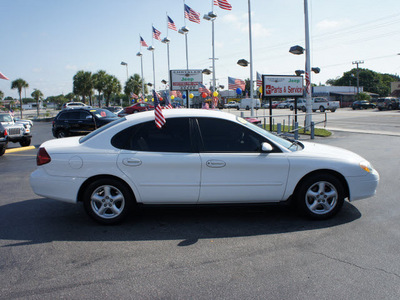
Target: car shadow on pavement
<point>43,220</point>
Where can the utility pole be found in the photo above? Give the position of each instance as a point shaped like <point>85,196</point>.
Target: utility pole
<point>358,78</point>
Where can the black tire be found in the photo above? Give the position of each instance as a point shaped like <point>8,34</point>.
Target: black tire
<point>2,150</point>
<point>107,200</point>
<point>303,109</point>
<point>321,109</point>
<point>25,142</point>
<point>61,134</point>
<point>291,107</point>
<point>320,196</point>
<point>333,109</point>
<point>390,107</point>
<point>314,110</point>
<point>247,107</point>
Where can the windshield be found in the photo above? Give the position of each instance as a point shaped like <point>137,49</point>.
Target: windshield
<point>290,145</point>
<point>103,113</point>
<point>5,118</point>
<point>101,129</point>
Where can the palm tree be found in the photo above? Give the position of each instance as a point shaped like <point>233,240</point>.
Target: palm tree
<point>100,82</point>
<point>19,84</point>
<point>83,85</point>
<point>113,86</point>
<point>134,85</point>
<point>37,95</point>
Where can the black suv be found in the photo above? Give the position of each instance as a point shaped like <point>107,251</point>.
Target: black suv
<point>3,140</point>
<point>80,121</point>
<point>388,103</point>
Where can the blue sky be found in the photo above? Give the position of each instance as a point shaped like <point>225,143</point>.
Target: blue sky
<point>46,42</point>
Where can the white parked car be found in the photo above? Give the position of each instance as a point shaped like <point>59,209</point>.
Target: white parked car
<point>75,105</point>
<point>197,157</point>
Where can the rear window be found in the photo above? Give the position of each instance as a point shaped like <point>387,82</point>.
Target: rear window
<point>103,113</point>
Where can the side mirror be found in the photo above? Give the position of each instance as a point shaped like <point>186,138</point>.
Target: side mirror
<point>266,147</point>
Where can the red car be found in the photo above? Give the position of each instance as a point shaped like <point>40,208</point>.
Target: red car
<point>137,107</point>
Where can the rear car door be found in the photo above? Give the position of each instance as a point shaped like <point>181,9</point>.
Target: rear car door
<point>162,163</point>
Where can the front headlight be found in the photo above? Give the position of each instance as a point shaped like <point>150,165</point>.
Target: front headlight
<point>366,166</point>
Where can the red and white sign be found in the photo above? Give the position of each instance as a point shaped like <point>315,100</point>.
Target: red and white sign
<point>282,86</point>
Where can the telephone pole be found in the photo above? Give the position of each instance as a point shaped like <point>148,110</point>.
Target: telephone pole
<point>358,78</point>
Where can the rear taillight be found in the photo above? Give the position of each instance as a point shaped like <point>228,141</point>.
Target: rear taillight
<point>42,157</point>
<point>5,132</point>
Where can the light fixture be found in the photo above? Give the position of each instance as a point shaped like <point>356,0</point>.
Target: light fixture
<point>124,63</point>
<point>316,70</point>
<point>206,72</point>
<point>299,72</point>
<point>184,30</point>
<point>163,81</point>
<point>221,86</point>
<point>151,48</point>
<point>139,54</point>
<point>150,84</point>
<point>165,40</point>
<point>243,62</point>
<point>297,50</point>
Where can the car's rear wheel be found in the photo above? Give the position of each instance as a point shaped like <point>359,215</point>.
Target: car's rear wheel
<point>303,109</point>
<point>61,134</point>
<point>322,109</point>
<point>320,196</point>
<point>2,150</point>
<point>107,200</point>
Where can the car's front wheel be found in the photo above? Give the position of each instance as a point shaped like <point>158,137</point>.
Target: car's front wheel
<point>25,142</point>
<point>2,150</point>
<point>320,196</point>
<point>107,200</point>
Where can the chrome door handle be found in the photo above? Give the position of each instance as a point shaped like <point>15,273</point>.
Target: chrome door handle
<point>133,162</point>
<point>215,163</point>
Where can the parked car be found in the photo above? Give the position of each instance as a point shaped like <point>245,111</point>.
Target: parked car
<point>3,139</point>
<point>247,103</point>
<point>80,121</point>
<point>387,103</point>
<point>285,104</point>
<point>113,109</point>
<point>17,132</point>
<point>75,105</point>
<point>322,104</point>
<point>198,157</point>
<point>362,104</point>
<point>231,104</point>
<point>135,108</point>
<point>301,104</point>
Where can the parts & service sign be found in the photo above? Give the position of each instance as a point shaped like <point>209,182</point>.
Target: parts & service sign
<point>182,80</point>
<point>282,86</point>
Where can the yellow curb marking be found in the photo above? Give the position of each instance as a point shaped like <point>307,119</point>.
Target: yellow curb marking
<point>12,150</point>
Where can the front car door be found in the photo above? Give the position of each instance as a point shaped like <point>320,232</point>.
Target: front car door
<point>234,169</point>
<point>163,163</point>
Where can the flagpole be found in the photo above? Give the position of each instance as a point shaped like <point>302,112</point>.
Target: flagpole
<point>140,54</point>
<point>251,64</point>
<point>167,41</point>
<point>151,48</point>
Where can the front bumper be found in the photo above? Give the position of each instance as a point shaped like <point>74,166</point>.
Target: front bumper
<point>362,187</point>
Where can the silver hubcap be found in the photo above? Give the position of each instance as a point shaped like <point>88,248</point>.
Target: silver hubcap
<point>321,197</point>
<point>107,202</point>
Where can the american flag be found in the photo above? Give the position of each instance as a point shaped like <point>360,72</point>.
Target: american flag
<point>2,76</point>
<point>234,83</point>
<point>259,79</point>
<point>224,4</point>
<point>134,96</point>
<point>171,24</point>
<point>156,34</point>
<point>203,89</point>
<point>159,117</point>
<point>143,43</point>
<point>192,15</point>
<point>167,102</point>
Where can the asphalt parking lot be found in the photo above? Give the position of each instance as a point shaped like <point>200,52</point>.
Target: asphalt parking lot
<point>51,249</point>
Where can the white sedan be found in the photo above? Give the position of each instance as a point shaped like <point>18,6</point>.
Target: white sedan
<point>197,157</point>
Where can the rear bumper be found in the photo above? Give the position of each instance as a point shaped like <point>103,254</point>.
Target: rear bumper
<point>55,187</point>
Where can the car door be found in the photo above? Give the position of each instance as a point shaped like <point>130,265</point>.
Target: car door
<point>234,169</point>
<point>86,122</point>
<point>161,163</point>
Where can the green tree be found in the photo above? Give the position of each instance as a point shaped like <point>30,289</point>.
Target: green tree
<point>19,84</point>
<point>113,86</point>
<point>134,85</point>
<point>1,95</point>
<point>70,97</point>
<point>37,95</point>
<point>100,82</point>
<point>371,81</point>
<point>83,85</point>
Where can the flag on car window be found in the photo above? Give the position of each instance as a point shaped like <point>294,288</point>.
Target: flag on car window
<point>167,101</point>
<point>192,15</point>
<point>224,4</point>
<point>159,117</point>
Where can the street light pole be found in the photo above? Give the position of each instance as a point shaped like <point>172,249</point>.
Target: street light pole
<point>251,63</point>
<point>126,65</point>
<point>308,68</point>
<point>141,65</point>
